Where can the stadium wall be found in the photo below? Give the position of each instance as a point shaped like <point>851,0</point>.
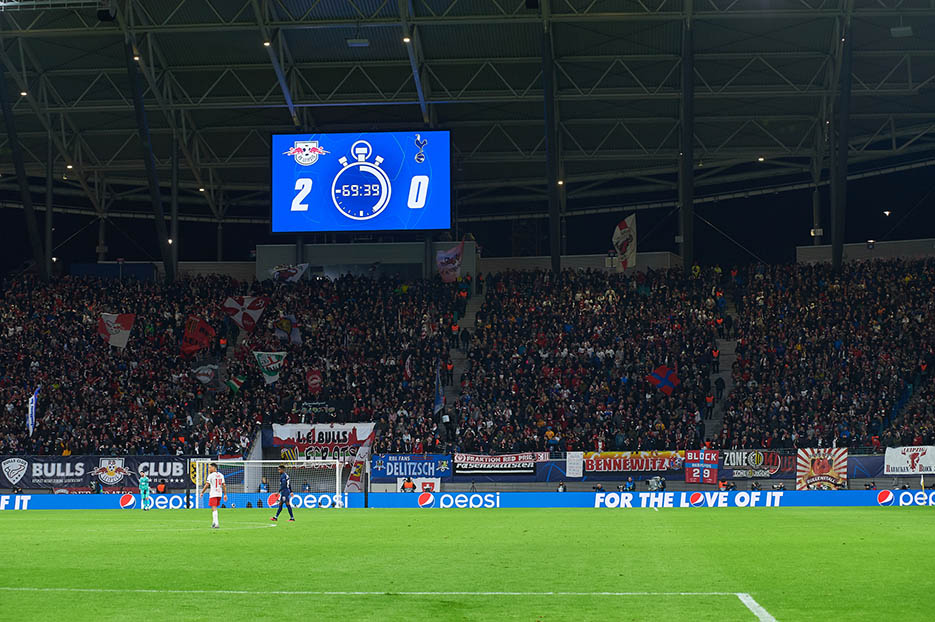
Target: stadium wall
<point>656,261</point>
<point>902,249</point>
<point>239,270</point>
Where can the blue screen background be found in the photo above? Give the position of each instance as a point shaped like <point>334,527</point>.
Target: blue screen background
<point>398,150</point>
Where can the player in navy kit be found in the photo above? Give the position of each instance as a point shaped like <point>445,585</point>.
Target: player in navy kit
<point>285,492</point>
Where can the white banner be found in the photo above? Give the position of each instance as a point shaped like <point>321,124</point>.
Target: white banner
<point>574,464</point>
<point>624,241</point>
<point>918,460</point>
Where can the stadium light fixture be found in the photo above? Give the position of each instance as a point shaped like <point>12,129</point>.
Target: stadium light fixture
<point>358,42</point>
<point>266,44</point>
<point>886,212</point>
<point>406,39</point>
<point>761,159</point>
<point>201,189</point>
<point>54,259</point>
<point>170,240</point>
<point>69,166</point>
<point>561,182</point>
<point>136,57</point>
<point>23,93</point>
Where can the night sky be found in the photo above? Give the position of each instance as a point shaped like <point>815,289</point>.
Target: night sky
<point>767,226</point>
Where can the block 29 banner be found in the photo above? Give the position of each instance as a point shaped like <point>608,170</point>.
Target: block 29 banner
<point>371,181</point>
<point>701,466</point>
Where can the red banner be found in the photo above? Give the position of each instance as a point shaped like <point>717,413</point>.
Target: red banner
<point>198,335</point>
<point>623,461</point>
<point>313,380</point>
<point>701,466</point>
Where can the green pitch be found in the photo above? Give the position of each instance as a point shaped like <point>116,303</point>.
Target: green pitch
<point>537,565</point>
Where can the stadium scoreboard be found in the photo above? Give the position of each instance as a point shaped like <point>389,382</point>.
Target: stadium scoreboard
<point>370,181</point>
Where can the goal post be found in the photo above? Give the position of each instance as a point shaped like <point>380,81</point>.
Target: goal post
<point>246,480</point>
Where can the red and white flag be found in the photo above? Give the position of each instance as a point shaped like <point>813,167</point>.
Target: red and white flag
<point>624,242</point>
<point>114,328</point>
<point>314,381</point>
<point>245,310</point>
<point>449,263</point>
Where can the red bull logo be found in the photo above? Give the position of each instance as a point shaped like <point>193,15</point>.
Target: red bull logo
<point>111,471</point>
<point>306,152</point>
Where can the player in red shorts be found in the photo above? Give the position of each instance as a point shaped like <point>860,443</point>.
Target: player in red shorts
<point>218,489</point>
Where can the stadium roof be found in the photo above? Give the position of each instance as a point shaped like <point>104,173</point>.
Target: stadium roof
<point>765,85</point>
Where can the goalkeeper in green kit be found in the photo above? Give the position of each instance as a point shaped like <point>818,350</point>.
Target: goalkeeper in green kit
<point>144,490</point>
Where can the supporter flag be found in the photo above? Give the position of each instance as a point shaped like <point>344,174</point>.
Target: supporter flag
<point>624,241</point>
<point>439,392</point>
<point>31,411</point>
<point>235,383</point>
<point>245,310</point>
<point>664,379</point>
<point>407,370</point>
<point>198,335</point>
<point>288,273</point>
<point>287,328</point>
<point>270,364</point>
<point>207,375</point>
<point>314,381</point>
<point>114,328</point>
<point>449,263</point>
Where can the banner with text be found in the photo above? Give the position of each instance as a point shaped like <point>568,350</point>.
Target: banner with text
<point>30,472</point>
<point>467,464</point>
<point>410,465</point>
<point>324,441</point>
<point>757,463</point>
<point>821,469</point>
<point>701,466</point>
<point>917,460</point>
<point>624,461</point>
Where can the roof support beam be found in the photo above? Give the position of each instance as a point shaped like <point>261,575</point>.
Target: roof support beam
<point>414,50</point>
<point>687,144</point>
<point>16,150</point>
<point>839,179</point>
<point>274,59</point>
<point>551,142</point>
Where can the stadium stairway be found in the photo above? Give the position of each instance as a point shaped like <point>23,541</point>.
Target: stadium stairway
<point>459,357</point>
<point>727,347</point>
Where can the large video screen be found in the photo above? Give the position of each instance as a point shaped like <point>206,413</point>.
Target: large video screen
<point>368,181</point>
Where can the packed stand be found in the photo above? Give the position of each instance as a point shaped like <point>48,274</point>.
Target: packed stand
<point>828,360</point>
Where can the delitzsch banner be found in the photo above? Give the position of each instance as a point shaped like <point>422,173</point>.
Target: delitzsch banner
<point>469,464</point>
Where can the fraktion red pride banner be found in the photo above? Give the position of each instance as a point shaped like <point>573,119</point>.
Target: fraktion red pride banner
<point>466,464</point>
<point>623,461</point>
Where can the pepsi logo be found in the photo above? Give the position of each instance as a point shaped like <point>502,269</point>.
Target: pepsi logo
<point>426,500</point>
<point>696,500</point>
<point>885,497</point>
<point>127,501</point>
<point>272,500</point>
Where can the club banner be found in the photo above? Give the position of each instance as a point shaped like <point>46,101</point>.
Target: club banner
<point>821,469</point>
<point>323,441</point>
<point>410,465</point>
<point>757,464</point>
<point>245,310</point>
<point>917,460</point>
<point>467,464</point>
<point>326,411</point>
<point>30,472</point>
<point>626,461</point>
<point>700,466</point>
<point>270,364</point>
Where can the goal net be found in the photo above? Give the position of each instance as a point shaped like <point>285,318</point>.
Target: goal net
<point>315,483</point>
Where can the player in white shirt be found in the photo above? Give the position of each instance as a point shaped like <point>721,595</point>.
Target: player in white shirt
<point>218,489</point>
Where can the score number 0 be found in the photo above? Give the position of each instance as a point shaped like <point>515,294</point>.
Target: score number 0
<point>418,193</point>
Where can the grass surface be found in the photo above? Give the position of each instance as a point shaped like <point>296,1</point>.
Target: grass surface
<point>799,564</point>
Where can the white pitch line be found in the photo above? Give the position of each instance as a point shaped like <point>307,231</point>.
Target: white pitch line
<point>761,614</point>
<point>206,528</point>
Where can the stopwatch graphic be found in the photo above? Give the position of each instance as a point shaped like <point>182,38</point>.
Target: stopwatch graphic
<point>361,189</point>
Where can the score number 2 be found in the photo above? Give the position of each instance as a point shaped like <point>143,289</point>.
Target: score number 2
<point>418,193</point>
<point>697,473</point>
<point>304,186</point>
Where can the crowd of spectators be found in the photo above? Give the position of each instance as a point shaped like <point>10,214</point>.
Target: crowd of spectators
<point>827,359</point>
<point>551,364</point>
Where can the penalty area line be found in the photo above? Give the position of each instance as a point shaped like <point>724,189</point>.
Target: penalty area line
<point>761,614</point>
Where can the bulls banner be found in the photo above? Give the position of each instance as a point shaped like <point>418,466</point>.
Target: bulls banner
<point>326,411</point>
<point>410,465</point>
<point>757,463</point>
<point>114,328</point>
<point>624,241</point>
<point>627,461</point>
<point>470,464</point>
<point>62,472</point>
<point>323,441</point>
<point>701,466</point>
<point>918,460</point>
<point>821,469</point>
<point>449,263</point>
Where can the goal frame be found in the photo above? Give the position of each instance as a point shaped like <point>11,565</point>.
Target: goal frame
<point>198,467</point>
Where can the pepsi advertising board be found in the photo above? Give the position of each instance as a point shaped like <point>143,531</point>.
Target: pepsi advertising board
<point>364,181</point>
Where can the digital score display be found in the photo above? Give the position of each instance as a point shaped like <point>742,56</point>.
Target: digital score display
<point>367,181</point>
